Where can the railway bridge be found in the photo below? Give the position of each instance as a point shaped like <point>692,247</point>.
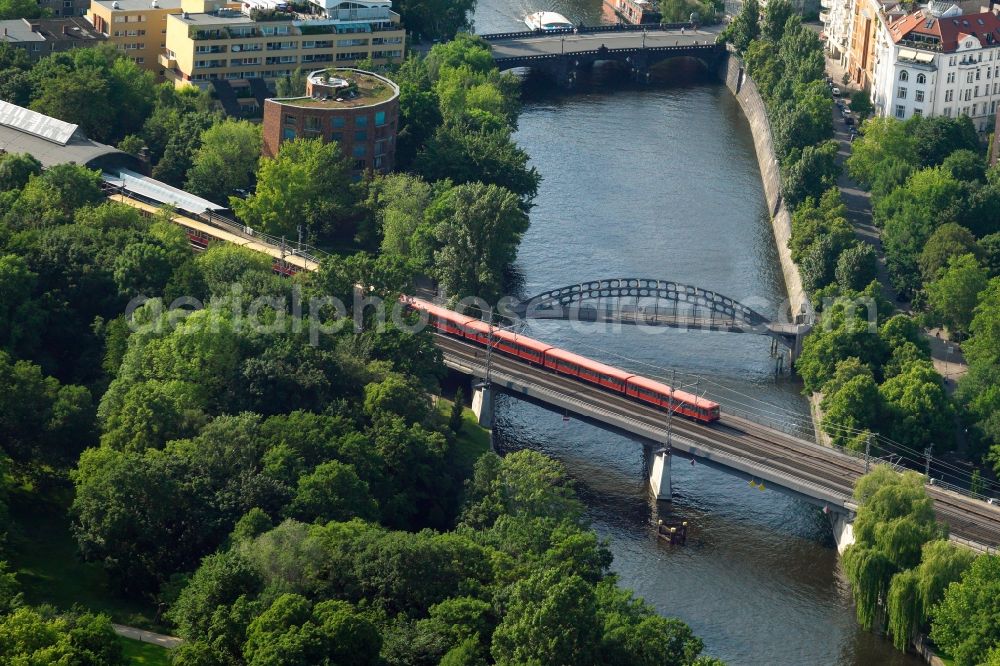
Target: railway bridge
<point>652,302</point>
<point>564,54</point>
<point>765,456</point>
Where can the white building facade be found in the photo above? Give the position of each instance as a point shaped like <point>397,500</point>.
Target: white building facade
<point>939,66</point>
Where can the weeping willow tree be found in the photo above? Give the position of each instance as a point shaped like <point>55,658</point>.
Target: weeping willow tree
<point>869,572</point>
<point>895,520</point>
<point>914,592</point>
<point>904,608</point>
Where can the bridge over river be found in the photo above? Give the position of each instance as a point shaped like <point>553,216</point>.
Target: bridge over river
<point>764,455</point>
<point>561,54</point>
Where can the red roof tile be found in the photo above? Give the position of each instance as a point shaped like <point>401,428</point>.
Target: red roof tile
<point>949,32</point>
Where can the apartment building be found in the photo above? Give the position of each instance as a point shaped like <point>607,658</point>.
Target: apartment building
<point>41,37</point>
<point>136,27</point>
<point>940,65</point>
<point>263,40</point>
<point>357,109</point>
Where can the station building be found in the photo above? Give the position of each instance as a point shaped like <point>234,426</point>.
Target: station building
<point>138,28</point>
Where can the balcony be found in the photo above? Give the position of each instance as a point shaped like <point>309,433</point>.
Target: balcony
<point>824,18</point>
<point>826,4</point>
<point>167,61</point>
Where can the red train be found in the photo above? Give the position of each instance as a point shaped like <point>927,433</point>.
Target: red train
<point>567,363</point>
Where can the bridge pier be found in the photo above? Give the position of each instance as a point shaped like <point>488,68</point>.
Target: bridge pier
<point>659,474</point>
<point>843,530</point>
<point>482,405</point>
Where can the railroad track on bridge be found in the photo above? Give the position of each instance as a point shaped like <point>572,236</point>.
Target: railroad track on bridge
<point>969,520</point>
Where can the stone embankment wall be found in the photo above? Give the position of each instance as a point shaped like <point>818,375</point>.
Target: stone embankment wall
<point>745,91</point>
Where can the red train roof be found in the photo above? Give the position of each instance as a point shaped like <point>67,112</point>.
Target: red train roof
<point>653,385</point>
<point>588,363</point>
<point>438,311</point>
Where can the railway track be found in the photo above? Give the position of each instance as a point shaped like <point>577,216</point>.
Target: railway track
<point>967,518</point>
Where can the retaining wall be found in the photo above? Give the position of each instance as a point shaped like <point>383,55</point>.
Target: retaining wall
<point>745,91</point>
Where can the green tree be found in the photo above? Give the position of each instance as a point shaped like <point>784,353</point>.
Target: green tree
<point>398,395</point>
<point>478,228</point>
<point>745,28</point>
<point>776,14</point>
<point>949,240</point>
<point>332,491</point>
<point>226,161</point>
<point>952,296</point>
<point>964,622</point>
<point>853,408</point>
<point>307,183</point>
<point>861,104</point>
<point>812,174</point>
<point>921,412</point>
<point>549,620</point>
<point>455,418</point>
<point>856,267</point>
<point>965,164</point>
<point>16,169</point>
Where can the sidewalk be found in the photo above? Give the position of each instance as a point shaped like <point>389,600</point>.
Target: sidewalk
<point>144,636</point>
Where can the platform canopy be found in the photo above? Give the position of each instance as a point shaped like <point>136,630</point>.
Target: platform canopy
<point>160,192</point>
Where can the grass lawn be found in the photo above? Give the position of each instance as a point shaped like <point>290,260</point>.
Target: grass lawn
<point>147,654</point>
<point>473,440</point>
<point>43,553</point>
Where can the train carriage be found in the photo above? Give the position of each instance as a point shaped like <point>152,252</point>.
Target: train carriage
<point>661,395</point>
<point>443,319</point>
<point>567,363</point>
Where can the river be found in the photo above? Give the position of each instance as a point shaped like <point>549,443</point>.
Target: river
<point>663,183</point>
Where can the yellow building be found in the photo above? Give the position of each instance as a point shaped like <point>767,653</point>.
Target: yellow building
<point>251,44</point>
<point>136,27</point>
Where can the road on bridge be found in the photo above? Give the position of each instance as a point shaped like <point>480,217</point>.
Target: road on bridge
<point>805,467</point>
<point>557,44</point>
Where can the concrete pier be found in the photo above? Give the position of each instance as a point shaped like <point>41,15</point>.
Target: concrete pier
<point>482,406</point>
<point>659,474</point>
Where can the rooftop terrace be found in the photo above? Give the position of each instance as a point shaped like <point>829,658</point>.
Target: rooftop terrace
<point>344,88</point>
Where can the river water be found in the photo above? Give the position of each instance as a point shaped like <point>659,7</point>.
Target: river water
<point>663,183</point>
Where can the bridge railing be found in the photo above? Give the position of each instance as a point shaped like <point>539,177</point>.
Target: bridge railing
<point>708,46</point>
<point>585,30</point>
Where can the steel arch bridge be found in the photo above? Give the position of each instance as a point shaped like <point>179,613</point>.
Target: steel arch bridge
<point>651,302</point>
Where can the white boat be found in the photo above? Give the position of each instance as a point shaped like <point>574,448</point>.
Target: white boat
<point>546,21</point>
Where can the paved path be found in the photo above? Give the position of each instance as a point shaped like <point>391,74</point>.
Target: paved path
<point>147,636</point>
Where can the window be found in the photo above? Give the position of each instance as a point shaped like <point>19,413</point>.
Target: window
<point>359,165</point>
<point>921,78</point>
<point>359,150</point>
<point>288,133</point>
<point>312,123</point>
<point>900,110</point>
<point>904,75</point>
<point>338,121</point>
<point>968,78</point>
<point>918,96</point>
<point>974,109</point>
<point>947,112</point>
<point>380,147</point>
<point>951,77</point>
<point>948,95</point>
<point>337,136</point>
<point>901,93</point>
<point>361,135</point>
<point>952,60</point>
<point>918,112</point>
<point>379,118</point>
<point>289,119</point>
<point>361,121</point>
<point>976,92</point>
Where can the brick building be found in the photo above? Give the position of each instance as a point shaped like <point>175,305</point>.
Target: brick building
<point>359,110</point>
<point>41,37</point>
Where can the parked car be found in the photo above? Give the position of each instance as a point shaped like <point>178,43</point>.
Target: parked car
<point>849,121</point>
<point>836,91</point>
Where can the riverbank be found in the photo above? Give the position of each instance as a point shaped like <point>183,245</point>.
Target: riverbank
<point>745,91</point>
